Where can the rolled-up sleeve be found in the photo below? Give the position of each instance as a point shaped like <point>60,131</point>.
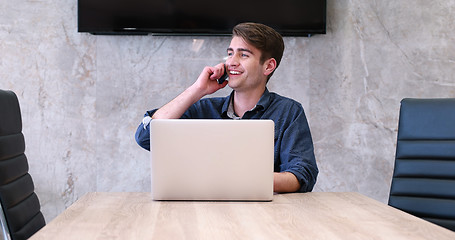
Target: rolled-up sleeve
<point>297,153</point>
<point>142,135</point>
<point>208,108</point>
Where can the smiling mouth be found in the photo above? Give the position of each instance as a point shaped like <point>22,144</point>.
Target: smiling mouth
<point>234,72</point>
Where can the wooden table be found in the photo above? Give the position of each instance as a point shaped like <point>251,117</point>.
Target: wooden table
<point>289,216</point>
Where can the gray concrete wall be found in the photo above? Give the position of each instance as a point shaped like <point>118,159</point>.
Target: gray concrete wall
<point>82,96</point>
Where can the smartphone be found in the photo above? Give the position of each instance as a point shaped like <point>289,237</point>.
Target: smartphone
<point>224,77</point>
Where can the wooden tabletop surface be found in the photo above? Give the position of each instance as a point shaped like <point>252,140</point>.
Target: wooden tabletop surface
<point>316,215</point>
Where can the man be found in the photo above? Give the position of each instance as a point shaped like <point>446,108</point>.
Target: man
<point>254,53</point>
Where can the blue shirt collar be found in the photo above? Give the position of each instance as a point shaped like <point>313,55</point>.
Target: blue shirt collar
<point>263,103</point>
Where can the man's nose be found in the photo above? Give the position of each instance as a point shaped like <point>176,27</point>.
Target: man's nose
<point>232,61</point>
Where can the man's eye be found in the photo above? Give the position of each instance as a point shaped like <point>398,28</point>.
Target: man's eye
<point>244,55</point>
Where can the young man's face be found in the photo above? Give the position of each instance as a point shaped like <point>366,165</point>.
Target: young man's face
<point>244,67</point>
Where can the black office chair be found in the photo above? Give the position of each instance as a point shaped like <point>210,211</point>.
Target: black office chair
<point>423,182</point>
<point>18,200</point>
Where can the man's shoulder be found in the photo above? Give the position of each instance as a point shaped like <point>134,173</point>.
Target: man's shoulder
<point>212,100</point>
<point>211,103</point>
<point>285,101</point>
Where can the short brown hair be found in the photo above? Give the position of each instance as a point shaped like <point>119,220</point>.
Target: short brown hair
<point>262,37</point>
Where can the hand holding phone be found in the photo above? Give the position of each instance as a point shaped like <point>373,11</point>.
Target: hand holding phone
<point>224,77</point>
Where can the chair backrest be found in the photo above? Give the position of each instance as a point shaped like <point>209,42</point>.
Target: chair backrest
<point>19,202</point>
<point>423,182</point>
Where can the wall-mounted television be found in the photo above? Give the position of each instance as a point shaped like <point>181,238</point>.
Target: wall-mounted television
<point>199,17</point>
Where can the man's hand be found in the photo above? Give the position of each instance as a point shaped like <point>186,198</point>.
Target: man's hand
<point>285,182</point>
<point>204,85</point>
<point>207,81</point>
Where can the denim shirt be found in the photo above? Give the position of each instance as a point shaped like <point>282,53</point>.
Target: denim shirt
<point>293,143</point>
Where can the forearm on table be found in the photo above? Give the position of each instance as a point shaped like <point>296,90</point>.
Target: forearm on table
<point>285,182</point>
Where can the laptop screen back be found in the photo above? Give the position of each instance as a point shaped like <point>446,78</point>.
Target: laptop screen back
<point>212,159</point>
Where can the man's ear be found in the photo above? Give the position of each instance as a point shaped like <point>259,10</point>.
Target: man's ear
<point>269,66</point>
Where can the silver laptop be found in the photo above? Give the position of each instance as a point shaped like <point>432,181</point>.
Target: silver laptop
<point>227,160</point>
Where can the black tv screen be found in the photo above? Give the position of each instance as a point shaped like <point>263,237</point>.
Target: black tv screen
<point>200,17</point>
